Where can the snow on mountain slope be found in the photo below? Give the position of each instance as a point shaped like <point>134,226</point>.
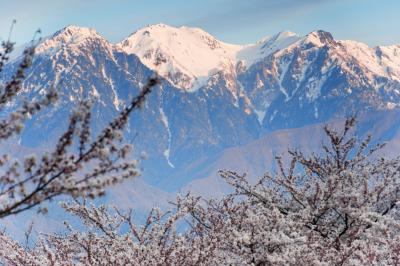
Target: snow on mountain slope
<point>389,58</point>
<point>72,51</point>
<point>189,56</point>
<point>185,56</point>
<point>383,61</point>
<point>252,53</point>
<point>365,55</point>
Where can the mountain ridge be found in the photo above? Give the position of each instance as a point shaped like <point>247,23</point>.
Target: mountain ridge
<point>295,81</point>
<point>156,47</point>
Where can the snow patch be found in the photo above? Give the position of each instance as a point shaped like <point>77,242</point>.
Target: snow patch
<point>315,111</point>
<point>314,88</point>
<point>284,68</point>
<point>273,115</point>
<point>117,103</point>
<point>253,53</point>
<point>260,115</point>
<point>164,119</point>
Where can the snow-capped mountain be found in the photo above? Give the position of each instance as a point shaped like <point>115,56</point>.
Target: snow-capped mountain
<point>215,95</point>
<point>317,77</point>
<point>187,57</point>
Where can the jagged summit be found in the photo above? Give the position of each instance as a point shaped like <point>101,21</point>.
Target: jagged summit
<point>318,38</point>
<point>74,30</point>
<point>69,36</point>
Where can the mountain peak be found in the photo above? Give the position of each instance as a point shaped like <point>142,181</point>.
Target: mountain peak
<point>164,33</point>
<point>319,38</point>
<point>69,35</point>
<point>280,40</point>
<point>185,56</point>
<point>72,32</point>
<point>284,35</point>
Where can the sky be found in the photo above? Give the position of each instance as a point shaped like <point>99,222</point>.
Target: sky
<point>375,22</point>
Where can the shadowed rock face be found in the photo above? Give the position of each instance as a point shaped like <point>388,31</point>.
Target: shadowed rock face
<point>294,82</point>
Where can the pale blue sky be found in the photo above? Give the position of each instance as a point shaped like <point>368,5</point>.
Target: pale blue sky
<point>236,21</point>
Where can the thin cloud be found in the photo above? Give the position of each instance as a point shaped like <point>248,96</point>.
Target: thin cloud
<point>242,14</point>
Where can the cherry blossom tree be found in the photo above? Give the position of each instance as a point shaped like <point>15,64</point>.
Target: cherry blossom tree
<point>337,207</point>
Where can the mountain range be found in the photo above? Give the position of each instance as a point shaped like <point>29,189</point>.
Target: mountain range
<point>219,105</point>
